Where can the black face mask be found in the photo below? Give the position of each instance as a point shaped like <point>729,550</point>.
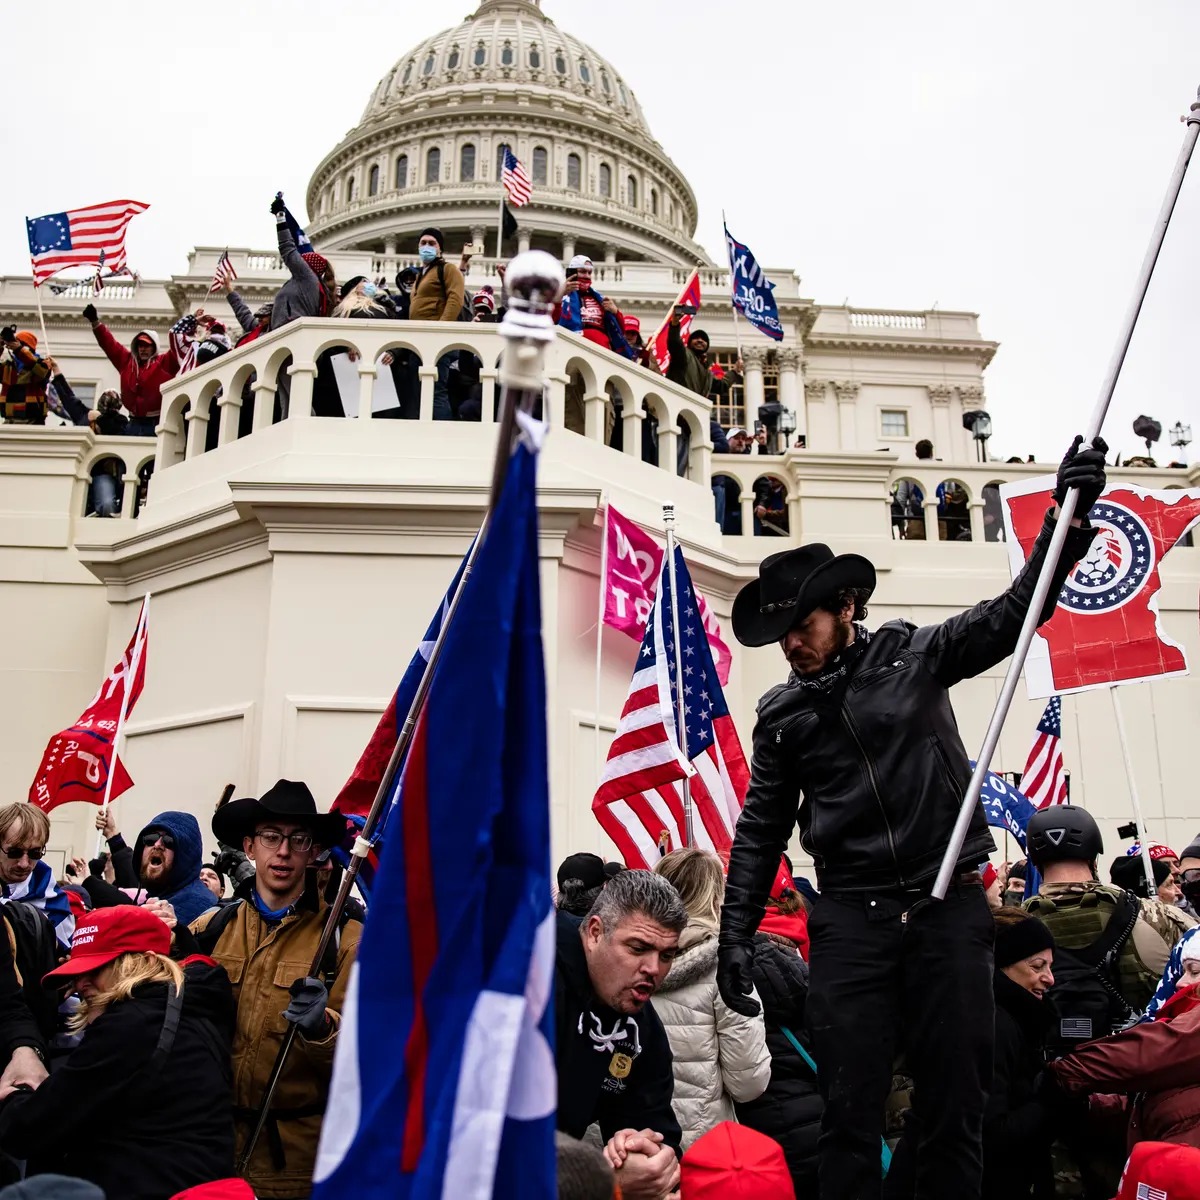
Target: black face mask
<point>1191,893</point>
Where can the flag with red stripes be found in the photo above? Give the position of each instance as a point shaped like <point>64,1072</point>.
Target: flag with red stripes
<point>641,793</point>
<point>223,273</point>
<point>517,185</point>
<point>690,297</point>
<point>80,237</point>
<point>1044,782</point>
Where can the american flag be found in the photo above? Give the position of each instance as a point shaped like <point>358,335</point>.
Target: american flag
<point>640,794</point>
<point>224,272</point>
<point>77,237</point>
<point>1044,782</point>
<point>517,185</point>
<point>1146,1192</point>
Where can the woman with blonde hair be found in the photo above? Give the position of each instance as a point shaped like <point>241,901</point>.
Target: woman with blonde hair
<point>719,1056</point>
<point>142,1106</point>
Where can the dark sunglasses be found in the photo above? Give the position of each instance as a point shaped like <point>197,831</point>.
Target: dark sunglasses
<point>149,839</point>
<point>17,852</point>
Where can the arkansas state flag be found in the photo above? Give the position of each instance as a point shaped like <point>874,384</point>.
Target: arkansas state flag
<point>78,760</point>
<point>633,563</point>
<point>658,343</point>
<point>1106,627</point>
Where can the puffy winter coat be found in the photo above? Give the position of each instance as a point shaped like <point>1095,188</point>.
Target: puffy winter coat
<point>790,1109</point>
<point>718,1056</point>
<point>1156,1065</point>
<point>135,1111</point>
<point>141,387</point>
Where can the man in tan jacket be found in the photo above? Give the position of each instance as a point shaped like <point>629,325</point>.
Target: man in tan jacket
<point>438,295</point>
<point>266,943</point>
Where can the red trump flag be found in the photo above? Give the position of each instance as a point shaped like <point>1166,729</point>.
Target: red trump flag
<point>1106,627</point>
<point>78,760</point>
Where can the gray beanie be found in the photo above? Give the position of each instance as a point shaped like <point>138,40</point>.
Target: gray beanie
<point>52,1187</point>
<point>1191,851</point>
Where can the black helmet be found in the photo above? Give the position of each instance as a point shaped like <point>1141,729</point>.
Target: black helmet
<point>1063,833</point>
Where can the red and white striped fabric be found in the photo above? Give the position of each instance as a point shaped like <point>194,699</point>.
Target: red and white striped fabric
<point>1044,781</point>
<point>81,237</point>
<point>517,184</point>
<point>641,792</point>
<point>224,272</point>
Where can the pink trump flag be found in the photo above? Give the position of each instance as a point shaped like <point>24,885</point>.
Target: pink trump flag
<point>634,561</point>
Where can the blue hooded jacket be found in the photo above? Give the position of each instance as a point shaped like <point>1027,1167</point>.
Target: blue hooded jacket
<point>571,318</point>
<point>182,887</point>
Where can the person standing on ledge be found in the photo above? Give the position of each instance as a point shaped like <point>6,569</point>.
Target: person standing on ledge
<point>864,730</point>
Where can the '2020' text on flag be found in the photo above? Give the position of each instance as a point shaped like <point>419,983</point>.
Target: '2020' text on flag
<point>81,237</point>
<point>1106,627</point>
<point>444,1082</point>
<point>640,794</point>
<point>753,292</point>
<point>633,560</point>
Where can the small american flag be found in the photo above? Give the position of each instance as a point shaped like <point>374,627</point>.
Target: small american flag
<point>98,281</point>
<point>517,185</point>
<point>1076,1028</point>
<point>640,794</point>
<point>77,237</point>
<point>223,273</point>
<point>1044,781</point>
<point>1146,1192</point>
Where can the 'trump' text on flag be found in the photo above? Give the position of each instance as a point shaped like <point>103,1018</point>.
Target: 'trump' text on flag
<point>753,292</point>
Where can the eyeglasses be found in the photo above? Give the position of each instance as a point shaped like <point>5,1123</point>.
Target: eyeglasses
<point>15,853</point>
<point>273,839</point>
<point>151,838</point>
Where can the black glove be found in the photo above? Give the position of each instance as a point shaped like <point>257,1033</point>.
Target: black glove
<point>734,980</point>
<point>1082,469</point>
<point>277,205</point>
<point>8,333</point>
<point>90,314</point>
<point>310,998</point>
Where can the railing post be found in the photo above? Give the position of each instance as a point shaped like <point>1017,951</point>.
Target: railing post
<point>976,513</point>
<point>594,417</point>
<point>488,377</point>
<point>304,375</point>
<point>129,495</point>
<point>746,499</point>
<point>632,417</point>
<point>264,405</point>
<point>197,431</point>
<point>557,398</point>
<point>366,388</point>
<point>229,409</point>
<point>428,377</point>
<point>668,445</point>
<point>930,508</point>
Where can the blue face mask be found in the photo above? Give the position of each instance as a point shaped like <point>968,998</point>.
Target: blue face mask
<point>427,253</point>
<point>370,290</point>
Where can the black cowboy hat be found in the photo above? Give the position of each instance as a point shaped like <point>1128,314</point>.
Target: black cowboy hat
<point>289,802</point>
<point>790,585</point>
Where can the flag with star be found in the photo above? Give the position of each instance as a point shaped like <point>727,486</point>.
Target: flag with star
<point>1106,627</point>
<point>641,793</point>
<point>81,237</point>
<point>1044,781</point>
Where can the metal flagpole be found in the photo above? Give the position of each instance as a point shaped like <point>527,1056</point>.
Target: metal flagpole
<point>737,329</point>
<point>37,295</point>
<point>535,282</point>
<point>689,831</point>
<point>1066,512</point>
<point>601,606</point>
<point>139,641</point>
<point>500,216</point>
<point>1143,832</point>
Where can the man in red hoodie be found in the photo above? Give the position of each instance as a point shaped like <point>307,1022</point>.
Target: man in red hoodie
<point>143,372</point>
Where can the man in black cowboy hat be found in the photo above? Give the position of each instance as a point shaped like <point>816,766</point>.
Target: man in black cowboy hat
<point>267,943</point>
<point>864,730</point>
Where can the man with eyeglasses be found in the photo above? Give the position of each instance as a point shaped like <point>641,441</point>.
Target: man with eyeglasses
<point>24,873</point>
<point>266,942</point>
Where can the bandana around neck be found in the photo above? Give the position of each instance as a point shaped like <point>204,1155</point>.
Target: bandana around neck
<point>839,666</point>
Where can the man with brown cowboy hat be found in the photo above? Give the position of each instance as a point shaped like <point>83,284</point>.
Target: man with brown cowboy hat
<point>864,731</point>
<point>267,942</point>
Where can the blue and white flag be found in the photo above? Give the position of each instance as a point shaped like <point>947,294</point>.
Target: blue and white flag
<point>298,234</point>
<point>444,1082</point>
<point>1006,808</point>
<point>752,290</point>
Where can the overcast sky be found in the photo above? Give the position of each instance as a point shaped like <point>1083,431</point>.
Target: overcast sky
<point>1006,157</point>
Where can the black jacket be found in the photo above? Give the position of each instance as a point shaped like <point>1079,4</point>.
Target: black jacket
<point>138,1127</point>
<point>594,1084</point>
<point>880,764</point>
<point>790,1109</point>
<point>1018,1128</point>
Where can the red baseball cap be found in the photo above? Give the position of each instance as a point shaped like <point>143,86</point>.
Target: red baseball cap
<point>107,933</point>
<point>1162,1169</point>
<point>221,1189</point>
<point>735,1162</point>
<point>631,324</point>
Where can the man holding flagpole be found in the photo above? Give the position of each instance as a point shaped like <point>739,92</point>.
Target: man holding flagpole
<point>864,732</point>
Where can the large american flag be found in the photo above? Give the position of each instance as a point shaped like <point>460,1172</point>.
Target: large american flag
<point>223,273</point>
<point>1044,781</point>
<point>640,794</point>
<point>517,185</point>
<point>78,237</point>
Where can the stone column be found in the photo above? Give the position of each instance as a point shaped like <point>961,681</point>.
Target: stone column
<point>522,240</point>
<point>568,247</point>
<point>788,358</point>
<point>479,237</point>
<point>264,405</point>
<point>129,496</point>
<point>389,247</point>
<point>755,393</point>
<point>610,252</point>
<point>304,375</point>
<point>197,431</point>
<point>975,507</point>
<point>668,446</point>
<point>814,394</point>
<point>933,532</point>
<point>847,395</point>
<point>229,409</point>
<point>939,400</point>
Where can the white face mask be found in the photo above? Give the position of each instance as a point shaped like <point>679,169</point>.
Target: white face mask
<point>427,253</point>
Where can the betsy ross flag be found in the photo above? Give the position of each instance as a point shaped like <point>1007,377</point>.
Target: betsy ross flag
<point>517,185</point>
<point>77,761</point>
<point>690,296</point>
<point>223,273</point>
<point>80,237</point>
<point>444,1081</point>
<point>1043,781</point>
<point>640,794</point>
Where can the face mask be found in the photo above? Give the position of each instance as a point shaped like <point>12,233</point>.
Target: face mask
<point>427,253</point>
<point>370,290</point>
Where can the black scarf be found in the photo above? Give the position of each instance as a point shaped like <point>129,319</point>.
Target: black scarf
<point>839,667</point>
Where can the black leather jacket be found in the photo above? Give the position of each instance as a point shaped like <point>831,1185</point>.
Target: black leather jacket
<point>881,766</point>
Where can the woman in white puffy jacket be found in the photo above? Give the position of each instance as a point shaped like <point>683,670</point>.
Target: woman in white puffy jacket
<point>719,1055</point>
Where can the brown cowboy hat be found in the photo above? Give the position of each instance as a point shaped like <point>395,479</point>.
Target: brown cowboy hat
<point>287,801</point>
<point>790,585</point>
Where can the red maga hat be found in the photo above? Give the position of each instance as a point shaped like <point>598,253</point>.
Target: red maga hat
<point>107,933</point>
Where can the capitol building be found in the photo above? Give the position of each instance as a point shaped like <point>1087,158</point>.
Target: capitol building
<point>294,568</point>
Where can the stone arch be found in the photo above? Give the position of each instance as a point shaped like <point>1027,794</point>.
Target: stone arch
<point>691,443</point>
<point>906,509</point>
<point>106,485</point>
<point>772,494</point>
<point>954,510</point>
<point>727,492</point>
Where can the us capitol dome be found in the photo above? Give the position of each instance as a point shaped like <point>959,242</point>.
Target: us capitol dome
<point>427,151</point>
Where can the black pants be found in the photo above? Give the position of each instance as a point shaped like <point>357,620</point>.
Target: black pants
<point>907,974</point>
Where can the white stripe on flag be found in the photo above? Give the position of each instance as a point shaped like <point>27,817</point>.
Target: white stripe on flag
<point>639,760</point>
<point>345,1095</point>
<point>627,819</point>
